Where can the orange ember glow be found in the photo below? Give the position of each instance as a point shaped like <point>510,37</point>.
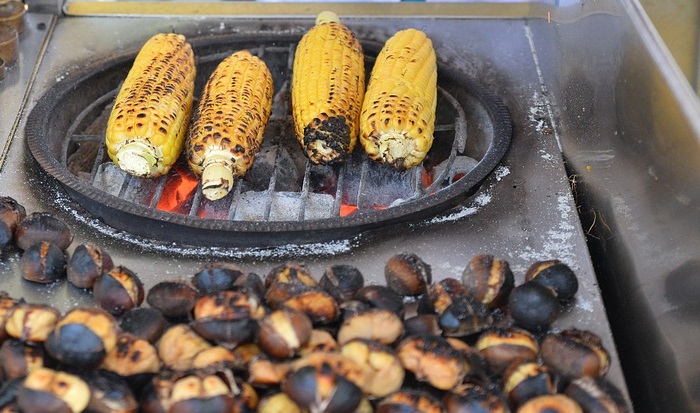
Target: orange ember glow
<point>179,188</point>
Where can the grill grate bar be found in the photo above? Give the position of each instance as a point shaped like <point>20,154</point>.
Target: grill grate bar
<point>234,200</point>
<point>304,195</point>
<point>159,191</point>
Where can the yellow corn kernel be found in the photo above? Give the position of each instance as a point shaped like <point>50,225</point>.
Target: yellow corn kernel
<point>229,122</point>
<point>398,112</point>
<point>328,85</point>
<point>147,126</point>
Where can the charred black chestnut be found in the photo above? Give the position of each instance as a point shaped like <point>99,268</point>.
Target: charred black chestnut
<point>375,324</point>
<point>502,346</point>
<point>414,401</point>
<point>252,284</point>
<point>526,380</point>
<point>175,299</point>
<point>575,353</point>
<point>290,272</point>
<point>216,276</point>
<point>386,373</point>
<point>11,214</point>
<point>556,275</point>
<point>474,398</point>
<point>380,296</point>
<point>82,337</point>
<point>533,306</point>
<point>227,317</point>
<point>87,263</point>
<point>282,332</point>
<point>595,394</point>
<point>49,391</point>
<point>489,279</point>
<point>465,316</point>
<point>43,263</point>
<point>118,290</point>
<point>31,322</point>
<point>42,226</point>
<point>432,360</point>
<point>179,345</point>
<point>145,322</point>
<point>322,390</point>
<point>314,301</point>
<point>407,274</point>
<point>342,281</point>
<point>17,359</point>
<point>109,393</point>
<point>551,403</point>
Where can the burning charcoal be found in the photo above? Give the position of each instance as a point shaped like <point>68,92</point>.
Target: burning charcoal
<point>145,322</point>
<point>43,262</point>
<point>251,206</point>
<point>110,178</point>
<point>407,274</point>
<point>141,191</point>
<point>11,214</point>
<point>216,276</point>
<point>274,160</point>
<point>285,206</point>
<point>318,206</point>
<point>118,290</point>
<point>489,280</point>
<point>87,263</point>
<point>50,391</point>
<point>82,337</point>
<point>175,299</point>
<point>41,226</point>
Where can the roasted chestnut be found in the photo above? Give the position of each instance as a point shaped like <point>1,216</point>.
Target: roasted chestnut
<point>175,299</point>
<point>319,341</point>
<point>49,391</point>
<point>8,395</point>
<point>385,371</point>
<point>245,398</point>
<point>145,322</point>
<point>375,324</point>
<point>290,272</point>
<point>380,296</point>
<point>17,359</point>
<point>341,365</point>
<point>118,290</point>
<point>252,284</point>
<point>227,317</point>
<point>43,263</point>
<point>216,357</point>
<point>179,345</point>
<point>423,324</point>
<point>407,274</point>
<point>550,403</point>
<point>263,372</point>
<point>432,360</point>
<point>440,295</point>
<point>321,389</point>
<point>465,316</point>
<point>595,394</point>
<point>489,279</point>
<point>132,356</point>
<point>216,276</point>
<point>109,393</point>
<point>474,398</point>
<point>533,306</point>
<point>555,275</point>
<point>42,226</point>
<point>87,263</point>
<point>413,401</point>
<point>314,301</point>
<point>6,304</point>
<point>197,391</point>
<point>283,332</point>
<point>523,381</point>
<point>342,281</point>
<point>31,322</point>
<point>575,353</point>
<point>11,214</point>
<point>502,346</point>
<point>278,403</point>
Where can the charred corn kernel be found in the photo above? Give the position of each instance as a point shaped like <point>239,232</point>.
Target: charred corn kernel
<point>328,84</point>
<point>398,112</point>
<point>229,122</point>
<point>147,126</point>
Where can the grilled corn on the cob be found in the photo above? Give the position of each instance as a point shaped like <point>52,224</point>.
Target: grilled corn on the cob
<point>229,122</point>
<point>147,126</point>
<point>398,112</point>
<point>327,89</point>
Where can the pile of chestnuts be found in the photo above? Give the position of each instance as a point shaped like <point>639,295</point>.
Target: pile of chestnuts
<point>227,340</point>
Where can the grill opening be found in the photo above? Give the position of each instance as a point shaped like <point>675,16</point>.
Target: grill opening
<point>283,198</point>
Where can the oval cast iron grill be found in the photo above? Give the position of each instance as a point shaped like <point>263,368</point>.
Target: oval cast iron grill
<point>472,133</point>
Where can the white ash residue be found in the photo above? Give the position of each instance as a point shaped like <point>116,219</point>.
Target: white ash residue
<point>557,242</point>
<point>538,114</point>
<point>501,172</point>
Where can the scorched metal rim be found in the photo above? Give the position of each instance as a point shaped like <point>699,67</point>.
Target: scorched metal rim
<point>57,105</point>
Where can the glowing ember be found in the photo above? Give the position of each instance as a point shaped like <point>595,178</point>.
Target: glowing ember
<point>179,190</point>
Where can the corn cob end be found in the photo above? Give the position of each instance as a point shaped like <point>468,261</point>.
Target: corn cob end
<point>217,180</point>
<point>139,158</point>
<point>327,141</point>
<point>397,149</point>
<point>327,17</point>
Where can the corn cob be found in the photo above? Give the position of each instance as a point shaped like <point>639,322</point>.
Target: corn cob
<point>229,122</point>
<point>327,88</point>
<point>147,126</point>
<point>398,113</point>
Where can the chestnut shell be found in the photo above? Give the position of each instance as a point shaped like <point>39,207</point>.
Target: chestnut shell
<point>533,306</point>
<point>43,262</point>
<point>42,226</point>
